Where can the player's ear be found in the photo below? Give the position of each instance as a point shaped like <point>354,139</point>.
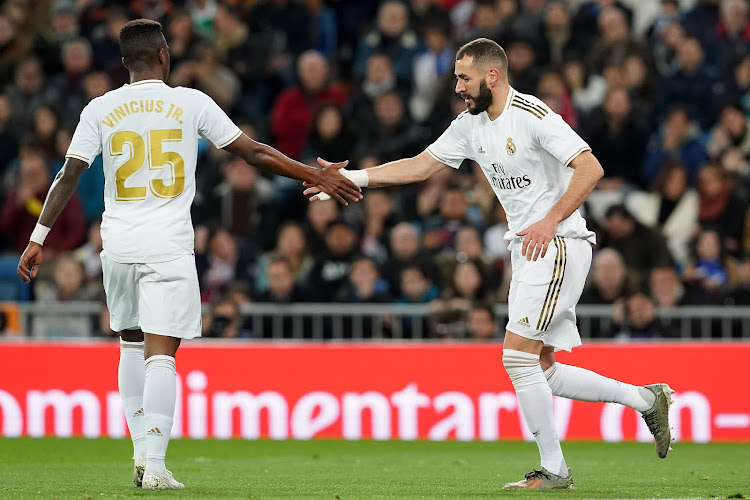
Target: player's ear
<point>492,77</point>
<point>125,64</point>
<point>162,54</point>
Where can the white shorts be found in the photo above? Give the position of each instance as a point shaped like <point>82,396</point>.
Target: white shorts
<point>162,298</point>
<point>544,293</point>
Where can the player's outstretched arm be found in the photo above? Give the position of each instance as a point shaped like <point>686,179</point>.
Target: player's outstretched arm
<point>63,187</point>
<point>327,179</point>
<point>587,173</point>
<point>405,171</point>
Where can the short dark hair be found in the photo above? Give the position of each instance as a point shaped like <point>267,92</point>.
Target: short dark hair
<point>484,51</point>
<point>140,40</point>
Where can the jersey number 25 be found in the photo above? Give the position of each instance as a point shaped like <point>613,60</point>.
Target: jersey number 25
<point>157,160</point>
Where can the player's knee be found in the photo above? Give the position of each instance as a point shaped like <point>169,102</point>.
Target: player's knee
<point>520,365</point>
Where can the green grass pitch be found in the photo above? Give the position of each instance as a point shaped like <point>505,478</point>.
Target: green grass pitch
<point>327,469</point>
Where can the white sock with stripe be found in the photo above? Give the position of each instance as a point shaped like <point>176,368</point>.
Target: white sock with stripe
<point>577,383</point>
<point>159,399</point>
<point>535,399</point>
<point>130,380</point>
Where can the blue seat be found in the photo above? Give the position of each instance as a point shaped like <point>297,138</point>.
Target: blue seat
<point>12,289</point>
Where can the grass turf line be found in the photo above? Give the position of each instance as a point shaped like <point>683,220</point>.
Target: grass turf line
<point>327,469</point>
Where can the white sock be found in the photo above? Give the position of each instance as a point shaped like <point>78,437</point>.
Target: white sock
<point>159,398</point>
<point>130,378</point>
<point>535,399</point>
<point>577,383</point>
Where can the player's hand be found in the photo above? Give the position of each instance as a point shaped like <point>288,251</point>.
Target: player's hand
<point>333,183</point>
<point>28,265</point>
<point>538,236</point>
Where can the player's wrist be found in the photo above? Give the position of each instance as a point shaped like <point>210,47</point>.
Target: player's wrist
<point>39,234</point>
<point>359,177</point>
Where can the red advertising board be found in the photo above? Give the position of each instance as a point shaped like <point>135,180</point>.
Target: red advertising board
<point>367,391</point>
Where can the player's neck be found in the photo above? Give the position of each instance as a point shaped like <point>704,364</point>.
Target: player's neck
<point>498,102</point>
<point>146,75</point>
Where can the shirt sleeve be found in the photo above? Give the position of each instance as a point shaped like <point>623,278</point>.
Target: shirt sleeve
<point>86,143</point>
<point>558,139</point>
<point>216,126</point>
<point>452,148</point>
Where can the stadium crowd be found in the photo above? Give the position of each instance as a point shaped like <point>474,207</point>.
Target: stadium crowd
<point>660,90</point>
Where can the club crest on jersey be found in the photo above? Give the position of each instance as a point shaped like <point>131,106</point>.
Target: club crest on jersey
<point>481,150</point>
<point>498,168</point>
<point>510,148</point>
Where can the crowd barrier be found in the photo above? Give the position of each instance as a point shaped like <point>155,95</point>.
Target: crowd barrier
<point>379,391</point>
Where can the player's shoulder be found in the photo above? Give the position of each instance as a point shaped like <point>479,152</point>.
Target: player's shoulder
<point>528,106</point>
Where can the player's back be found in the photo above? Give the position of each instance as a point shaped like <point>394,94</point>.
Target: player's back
<point>148,135</point>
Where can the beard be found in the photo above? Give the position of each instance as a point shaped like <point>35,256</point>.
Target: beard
<point>482,100</point>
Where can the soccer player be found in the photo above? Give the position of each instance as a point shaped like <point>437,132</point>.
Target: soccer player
<point>541,172</point>
<point>148,135</point>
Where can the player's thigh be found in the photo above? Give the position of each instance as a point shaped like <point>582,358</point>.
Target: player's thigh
<point>170,302</point>
<point>121,289</point>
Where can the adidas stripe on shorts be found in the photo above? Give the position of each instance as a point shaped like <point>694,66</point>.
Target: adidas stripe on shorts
<point>544,293</point>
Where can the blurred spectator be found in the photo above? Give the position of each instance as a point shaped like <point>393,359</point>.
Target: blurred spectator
<point>669,291</point>
<point>560,41</point>
<point>77,61</point>
<point>616,43</point>
<point>364,285</point>
<point>184,40</point>
<point>392,135</point>
<point>719,208</point>
<point>27,92</point>
<point>319,215</point>
<point>8,134</point>
<point>468,285</point>
<point>89,254</point>
<point>552,91</point>
<point>69,283</point>
<point>666,46</point>
<point>641,83</point>
<point>609,279</point>
<point>619,140</point>
<point>732,33</point>
<point>428,12</point>
<point>691,86</point>
<point>284,23</point>
<point>641,321</point>
<point>468,246</point>
<point>332,266</point>
<point>379,219</point>
<point>44,127</point>
<point>730,132</point>
<point>481,324</point>
<point>416,288</point>
<point>642,248</point>
<point>523,73</point>
<point>406,252</point>
<point>207,74</point>
<point>739,295</point>
<point>283,287</point>
<point>291,244</point>
<point>330,135</point>
<point>293,110</point>
<point>392,37</point>
<point>441,228</point>
<point>23,206</point>
<point>679,140</point>
<point>202,13</point>
<point>379,79</point>
<point>95,84</point>
<point>106,43</point>
<point>587,89</point>
<point>488,21</point>
<point>433,63</point>
<point>156,10</point>
<point>63,27</point>
<point>671,207</point>
<point>245,55</point>
<point>325,33</point>
<point>709,271</point>
<point>219,260</point>
<point>224,321</point>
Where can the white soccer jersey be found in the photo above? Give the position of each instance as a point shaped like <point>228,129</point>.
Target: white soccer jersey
<point>148,134</point>
<point>524,154</point>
